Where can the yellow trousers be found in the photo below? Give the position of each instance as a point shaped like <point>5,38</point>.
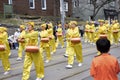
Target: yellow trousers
<point>60,40</point>
<point>109,36</point>
<point>20,49</point>
<point>5,60</point>
<point>53,46</point>
<point>86,36</point>
<point>37,59</point>
<point>91,37</point>
<point>7,48</point>
<point>75,49</point>
<point>115,37</point>
<point>47,49</point>
<point>67,47</point>
<point>119,34</point>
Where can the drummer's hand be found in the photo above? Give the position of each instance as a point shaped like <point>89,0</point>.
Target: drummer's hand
<point>68,39</point>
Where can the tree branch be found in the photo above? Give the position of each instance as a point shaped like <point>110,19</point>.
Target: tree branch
<point>98,7</point>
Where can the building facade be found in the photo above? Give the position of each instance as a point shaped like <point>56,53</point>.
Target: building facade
<point>37,7</point>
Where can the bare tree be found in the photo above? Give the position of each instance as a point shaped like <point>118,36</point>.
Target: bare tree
<point>95,6</point>
<point>98,4</point>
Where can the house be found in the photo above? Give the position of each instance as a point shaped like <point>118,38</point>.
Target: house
<point>37,7</point>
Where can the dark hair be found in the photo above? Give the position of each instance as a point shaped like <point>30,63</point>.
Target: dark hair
<point>103,45</point>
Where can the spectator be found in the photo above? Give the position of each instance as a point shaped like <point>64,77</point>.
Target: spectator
<point>11,42</point>
<point>55,30</point>
<point>16,35</point>
<point>104,66</point>
<point>81,28</point>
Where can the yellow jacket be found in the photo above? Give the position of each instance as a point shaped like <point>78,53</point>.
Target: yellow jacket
<point>50,33</point>
<point>44,34</point>
<point>68,33</point>
<point>59,30</point>
<point>87,27</point>
<point>108,27</point>
<point>22,34</point>
<point>115,27</point>
<point>2,38</point>
<point>102,30</point>
<point>92,28</point>
<point>32,38</point>
<point>74,33</point>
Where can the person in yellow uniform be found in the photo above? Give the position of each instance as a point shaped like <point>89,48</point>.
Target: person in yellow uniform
<point>67,41</point>
<point>21,42</point>
<point>102,29</point>
<point>119,30</point>
<point>75,46</point>
<point>3,52</point>
<point>92,30</point>
<point>87,26</point>
<point>60,36</point>
<point>6,38</point>
<point>7,43</point>
<point>109,33</point>
<point>52,38</point>
<point>115,31</point>
<point>45,45</point>
<point>101,32</point>
<point>31,38</point>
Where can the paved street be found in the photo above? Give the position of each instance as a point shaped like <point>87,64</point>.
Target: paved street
<point>55,69</point>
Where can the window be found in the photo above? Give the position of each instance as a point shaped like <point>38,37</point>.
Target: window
<point>66,6</point>
<point>43,3</point>
<point>32,4</point>
<point>9,1</point>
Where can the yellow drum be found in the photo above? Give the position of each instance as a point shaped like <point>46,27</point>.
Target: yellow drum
<point>59,34</point>
<point>2,47</point>
<point>103,36</point>
<point>75,40</point>
<point>32,49</point>
<point>45,40</point>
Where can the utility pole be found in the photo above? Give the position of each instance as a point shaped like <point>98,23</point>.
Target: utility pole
<point>119,11</point>
<point>62,11</point>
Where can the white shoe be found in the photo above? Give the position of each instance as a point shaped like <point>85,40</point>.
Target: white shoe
<point>69,66</point>
<point>65,55</point>
<point>19,59</point>
<point>62,47</point>
<point>16,47</point>
<point>9,54</point>
<point>85,41</point>
<point>51,52</point>
<point>47,61</point>
<point>6,73</point>
<point>38,79</point>
<point>93,44</point>
<point>80,64</point>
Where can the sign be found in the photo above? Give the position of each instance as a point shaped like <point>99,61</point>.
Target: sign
<point>8,10</point>
<point>112,14</point>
